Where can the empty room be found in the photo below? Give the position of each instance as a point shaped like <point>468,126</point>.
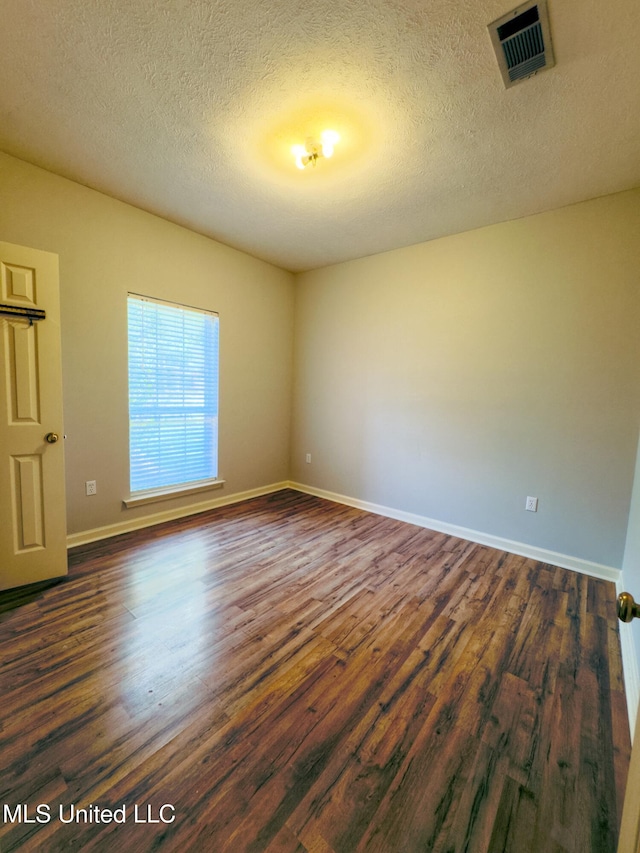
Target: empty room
<point>320,479</point>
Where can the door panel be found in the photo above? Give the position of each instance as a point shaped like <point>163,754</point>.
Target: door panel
<point>32,500</point>
<point>28,514</point>
<point>22,373</point>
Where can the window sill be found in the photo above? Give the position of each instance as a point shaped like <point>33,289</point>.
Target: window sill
<point>154,495</point>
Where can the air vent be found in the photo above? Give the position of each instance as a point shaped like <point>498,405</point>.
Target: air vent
<point>522,42</point>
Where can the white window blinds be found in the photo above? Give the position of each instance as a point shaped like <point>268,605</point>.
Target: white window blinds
<point>173,394</point>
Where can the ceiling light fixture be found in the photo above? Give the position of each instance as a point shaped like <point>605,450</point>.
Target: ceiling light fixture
<point>311,151</point>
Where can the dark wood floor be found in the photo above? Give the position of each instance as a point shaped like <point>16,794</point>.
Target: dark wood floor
<point>293,675</point>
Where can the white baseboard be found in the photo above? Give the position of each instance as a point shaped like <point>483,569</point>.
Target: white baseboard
<point>543,555</point>
<point>87,536</point>
<point>629,659</point>
<point>564,561</point>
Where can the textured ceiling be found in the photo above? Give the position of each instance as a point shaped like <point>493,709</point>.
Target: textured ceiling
<point>189,108</point>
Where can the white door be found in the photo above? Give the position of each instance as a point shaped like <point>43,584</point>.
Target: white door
<point>629,841</point>
<point>630,827</point>
<point>32,501</point>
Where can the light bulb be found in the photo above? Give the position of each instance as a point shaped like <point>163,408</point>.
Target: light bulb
<point>329,139</point>
<point>311,150</point>
<point>299,151</point>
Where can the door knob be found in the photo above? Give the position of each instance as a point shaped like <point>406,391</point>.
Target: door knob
<point>51,437</point>
<point>627,608</point>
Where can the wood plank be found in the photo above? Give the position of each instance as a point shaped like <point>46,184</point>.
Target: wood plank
<point>297,676</point>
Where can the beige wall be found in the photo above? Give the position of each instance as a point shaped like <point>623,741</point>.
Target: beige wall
<point>454,378</point>
<point>449,379</point>
<point>107,248</point>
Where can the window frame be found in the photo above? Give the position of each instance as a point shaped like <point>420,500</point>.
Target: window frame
<point>187,487</point>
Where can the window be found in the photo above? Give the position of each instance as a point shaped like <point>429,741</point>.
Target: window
<point>173,394</point>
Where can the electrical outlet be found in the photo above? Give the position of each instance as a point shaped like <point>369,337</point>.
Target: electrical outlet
<point>531,505</point>
<point>90,487</point>
<point>308,458</point>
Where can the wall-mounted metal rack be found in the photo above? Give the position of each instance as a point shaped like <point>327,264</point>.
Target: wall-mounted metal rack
<point>30,314</point>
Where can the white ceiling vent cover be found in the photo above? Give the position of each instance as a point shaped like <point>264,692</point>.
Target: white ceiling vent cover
<point>522,42</point>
